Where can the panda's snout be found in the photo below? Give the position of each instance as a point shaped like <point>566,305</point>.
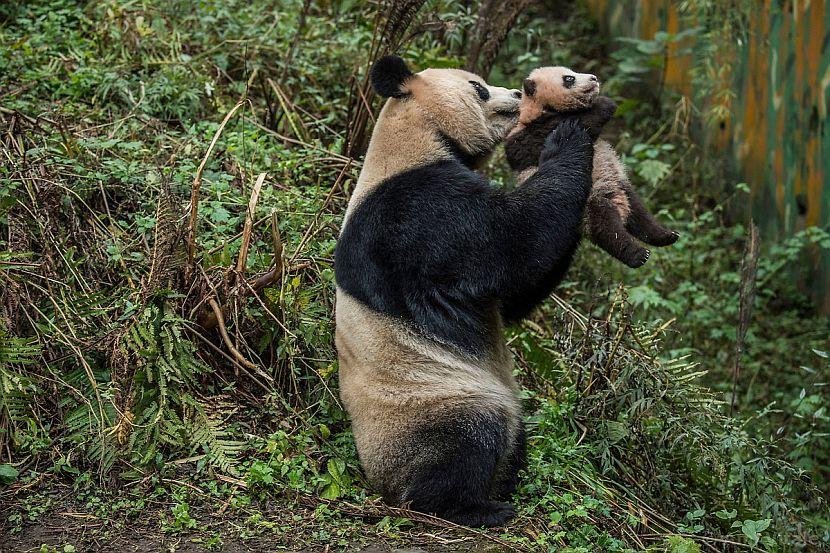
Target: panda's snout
<point>518,93</point>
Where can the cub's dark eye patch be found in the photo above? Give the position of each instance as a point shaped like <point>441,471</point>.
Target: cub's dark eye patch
<point>568,81</point>
<point>481,90</point>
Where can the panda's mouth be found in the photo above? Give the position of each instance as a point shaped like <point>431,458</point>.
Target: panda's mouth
<point>592,87</point>
<point>507,112</point>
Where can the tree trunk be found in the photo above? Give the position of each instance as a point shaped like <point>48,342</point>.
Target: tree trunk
<point>495,19</point>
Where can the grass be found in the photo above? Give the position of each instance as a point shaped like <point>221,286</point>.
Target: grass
<point>134,217</point>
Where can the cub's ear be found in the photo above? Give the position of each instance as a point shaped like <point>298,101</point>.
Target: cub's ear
<point>388,76</point>
<point>529,86</point>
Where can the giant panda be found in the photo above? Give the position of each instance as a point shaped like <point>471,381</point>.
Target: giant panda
<point>430,263</point>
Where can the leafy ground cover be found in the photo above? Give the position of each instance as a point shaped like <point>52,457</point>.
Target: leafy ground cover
<point>167,374</point>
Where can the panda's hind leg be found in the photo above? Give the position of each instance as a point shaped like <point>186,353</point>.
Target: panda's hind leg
<point>642,224</point>
<point>608,231</point>
<point>508,478</point>
<point>455,475</point>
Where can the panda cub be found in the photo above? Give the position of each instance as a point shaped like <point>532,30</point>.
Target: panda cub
<point>432,260</point>
<point>614,216</point>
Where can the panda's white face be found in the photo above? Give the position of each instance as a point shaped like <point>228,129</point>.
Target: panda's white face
<point>464,108</point>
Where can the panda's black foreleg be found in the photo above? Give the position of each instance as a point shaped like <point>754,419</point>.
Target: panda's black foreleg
<point>542,224</point>
<point>456,481</point>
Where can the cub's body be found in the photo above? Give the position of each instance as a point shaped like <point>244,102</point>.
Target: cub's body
<point>615,217</point>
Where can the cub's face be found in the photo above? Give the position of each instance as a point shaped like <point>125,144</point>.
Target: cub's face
<point>456,104</point>
<point>560,89</point>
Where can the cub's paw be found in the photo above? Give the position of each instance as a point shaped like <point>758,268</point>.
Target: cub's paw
<point>662,236</point>
<point>595,117</point>
<point>569,138</point>
<point>605,108</point>
<point>670,239</point>
<point>636,258</point>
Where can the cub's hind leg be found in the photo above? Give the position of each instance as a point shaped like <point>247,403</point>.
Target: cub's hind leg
<point>608,231</point>
<point>455,475</point>
<point>609,208</point>
<point>642,224</point>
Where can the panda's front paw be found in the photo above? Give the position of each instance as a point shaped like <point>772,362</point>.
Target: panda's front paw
<point>569,138</point>
<point>605,108</point>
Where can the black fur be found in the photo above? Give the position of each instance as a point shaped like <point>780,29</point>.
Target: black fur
<point>642,224</point>
<point>529,86</point>
<point>458,482</point>
<point>607,230</point>
<point>481,90</point>
<point>388,75</point>
<point>440,248</point>
<point>522,149</point>
<point>508,480</point>
<point>469,160</point>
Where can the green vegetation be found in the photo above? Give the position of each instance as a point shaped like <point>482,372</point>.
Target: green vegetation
<point>122,401</point>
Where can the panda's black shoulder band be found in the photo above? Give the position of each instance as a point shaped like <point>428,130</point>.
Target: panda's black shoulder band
<point>388,76</point>
<point>466,158</point>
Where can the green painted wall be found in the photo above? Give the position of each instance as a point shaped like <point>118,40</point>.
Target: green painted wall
<point>778,135</point>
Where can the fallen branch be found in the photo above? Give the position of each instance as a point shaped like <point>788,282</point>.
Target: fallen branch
<point>220,321</point>
<point>380,510</point>
<point>249,224</point>
<point>208,320</point>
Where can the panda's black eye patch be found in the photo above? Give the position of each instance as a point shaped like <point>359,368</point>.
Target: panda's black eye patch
<point>481,90</point>
<point>568,81</point>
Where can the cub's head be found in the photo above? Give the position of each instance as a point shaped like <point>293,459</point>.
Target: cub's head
<point>557,89</point>
<point>456,106</point>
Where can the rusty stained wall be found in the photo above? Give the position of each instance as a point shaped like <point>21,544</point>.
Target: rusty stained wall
<point>779,134</point>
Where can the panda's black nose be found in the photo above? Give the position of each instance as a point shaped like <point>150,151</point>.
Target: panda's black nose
<point>593,78</point>
<point>517,93</point>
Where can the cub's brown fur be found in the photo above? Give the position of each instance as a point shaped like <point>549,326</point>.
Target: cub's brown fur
<point>615,217</point>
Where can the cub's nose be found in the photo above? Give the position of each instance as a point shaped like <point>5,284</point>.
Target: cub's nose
<point>592,78</point>
<point>518,93</point>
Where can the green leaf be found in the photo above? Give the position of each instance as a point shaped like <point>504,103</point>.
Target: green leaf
<point>679,544</point>
<point>336,468</point>
<point>332,491</point>
<point>616,431</point>
<point>752,528</point>
<point>8,474</point>
<point>653,170</point>
<point>696,514</point>
<point>761,525</point>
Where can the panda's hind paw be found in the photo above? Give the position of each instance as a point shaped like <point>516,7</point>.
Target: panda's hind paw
<point>489,514</point>
<point>637,258</point>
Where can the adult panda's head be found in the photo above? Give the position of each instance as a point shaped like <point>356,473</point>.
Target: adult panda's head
<point>454,105</point>
<point>432,116</point>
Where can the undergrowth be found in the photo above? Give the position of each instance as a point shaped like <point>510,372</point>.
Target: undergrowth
<point>184,379</point>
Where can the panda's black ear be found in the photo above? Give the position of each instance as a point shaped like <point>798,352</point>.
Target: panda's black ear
<point>529,86</point>
<point>388,76</point>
